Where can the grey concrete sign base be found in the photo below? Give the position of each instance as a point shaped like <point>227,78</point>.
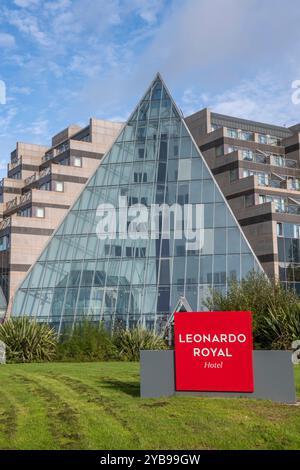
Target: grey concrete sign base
<point>2,353</point>
<point>273,377</point>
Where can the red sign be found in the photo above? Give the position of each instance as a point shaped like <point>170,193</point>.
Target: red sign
<point>213,351</point>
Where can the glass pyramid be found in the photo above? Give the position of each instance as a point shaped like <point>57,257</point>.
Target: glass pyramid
<point>120,272</point>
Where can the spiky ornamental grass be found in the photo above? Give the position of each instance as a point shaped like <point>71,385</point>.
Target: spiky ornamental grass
<point>276,310</point>
<point>130,342</point>
<point>28,341</point>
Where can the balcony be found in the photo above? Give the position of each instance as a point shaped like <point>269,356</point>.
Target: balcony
<point>269,183</point>
<point>251,156</point>
<point>14,163</point>
<point>240,134</point>
<point>284,183</point>
<point>5,223</point>
<point>36,176</point>
<point>27,197</point>
<point>279,160</point>
<point>274,160</point>
<point>18,201</point>
<point>45,172</point>
<point>290,163</point>
<point>12,204</point>
<point>30,179</point>
<point>288,209</point>
<point>56,151</point>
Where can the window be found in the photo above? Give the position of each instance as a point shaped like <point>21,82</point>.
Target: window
<point>262,139</point>
<point>279,230</point>
<point>233,175</point>
<point>64,161</point>
<point>4,243</point>
<point>277,160</point>
<point>247,155</point>
<point>294,183</point>
<point>230,148</point>
<point>76,161</point>
<point>247,173</point>
<point>118,251</point>
<point>272,140</point>
<point>129,251</point>
<point>249,200</point>
<point>245,135</point>
<point>39,212</point>
<point>263,179</point>
<point>219,151</point>
<point>140,177</point>
<point>279,202</point>
<point>296,231</point>
<point>27,212</point>
<point>45,186</point>
<point>62,148</point>
<point>233,133</point>
<point>214,127</point>
<point>58,186</point>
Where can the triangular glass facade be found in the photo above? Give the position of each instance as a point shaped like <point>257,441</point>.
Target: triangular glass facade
<point>138,277</point>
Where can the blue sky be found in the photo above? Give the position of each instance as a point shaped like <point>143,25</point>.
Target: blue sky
<point>64,61</point>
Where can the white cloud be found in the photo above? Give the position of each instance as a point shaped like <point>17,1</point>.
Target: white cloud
<point>38,128</point>
<point>3,165</point>
<point>7,40</point>
<point>262,99</point>
<point>7,116</point>
<point>26,3</point>
<point>57,5</point>
<point>21,90</point>
<point>148,10</point>
<point>28,25</point>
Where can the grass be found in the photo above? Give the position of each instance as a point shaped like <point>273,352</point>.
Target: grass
<point>97,406</point>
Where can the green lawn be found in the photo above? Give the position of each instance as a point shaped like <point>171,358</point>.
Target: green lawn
<point>97,406</point>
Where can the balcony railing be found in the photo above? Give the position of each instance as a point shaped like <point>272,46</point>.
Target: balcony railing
<point>278,160</point>
<point>274,160</point>
<point>5,223</point>
<point>25,198</point>
<point>240,134</point>
<point>45,172</point>
<point>11,204</point>
<point>14,163</point>
<point>250,156</point>
<point>270,183</point>
<point>37,176</point>
<point>288,163</point>
<point>30,179</point>
<point>289,209</point>
<point>56,151</point>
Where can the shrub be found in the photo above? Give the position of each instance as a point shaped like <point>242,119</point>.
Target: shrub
<point>275,309</point>
<point>28,341</point>
<point>130,342</point>
<point>280,327</point>
<point>86,341</point>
